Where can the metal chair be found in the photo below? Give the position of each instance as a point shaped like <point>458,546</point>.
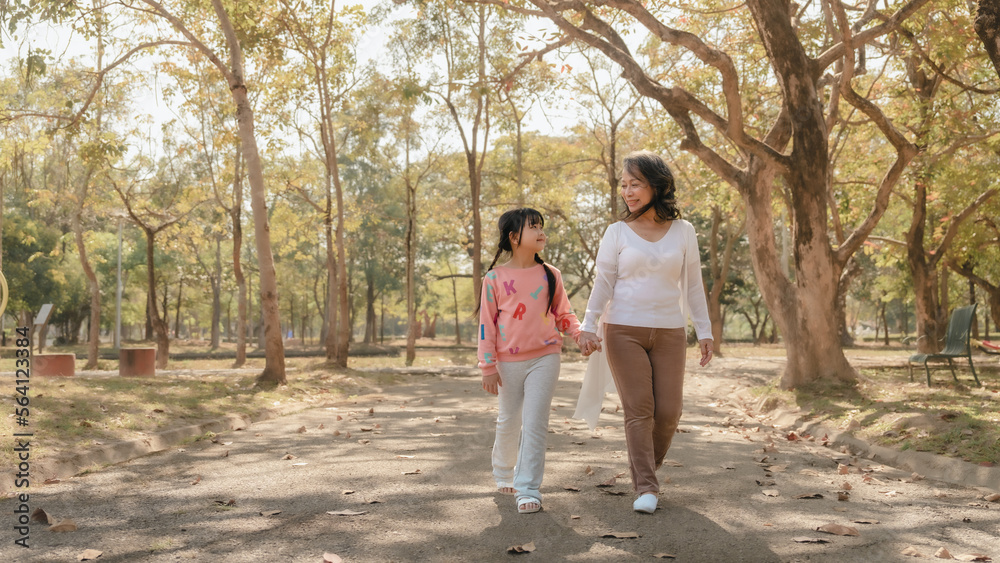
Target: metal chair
<point>957,344</point>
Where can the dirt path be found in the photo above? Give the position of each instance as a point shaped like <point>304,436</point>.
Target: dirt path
<point>414,459</point>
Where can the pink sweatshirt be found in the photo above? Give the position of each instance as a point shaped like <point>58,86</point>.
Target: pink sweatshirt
<point>513,323</point>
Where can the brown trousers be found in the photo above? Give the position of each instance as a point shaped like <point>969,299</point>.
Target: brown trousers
<point>648,367</point>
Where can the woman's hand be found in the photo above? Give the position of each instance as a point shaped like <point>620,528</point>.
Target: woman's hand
<point>588,343</point>
<point>706,345</point>
<point>492,383</point>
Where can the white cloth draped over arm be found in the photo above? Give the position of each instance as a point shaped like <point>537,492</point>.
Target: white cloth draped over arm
<point>598,380</point>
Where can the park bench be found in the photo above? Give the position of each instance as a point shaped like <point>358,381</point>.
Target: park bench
<point>957,344</point>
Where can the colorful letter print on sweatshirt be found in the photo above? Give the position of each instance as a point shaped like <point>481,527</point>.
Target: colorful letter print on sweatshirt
<point>513,322</point>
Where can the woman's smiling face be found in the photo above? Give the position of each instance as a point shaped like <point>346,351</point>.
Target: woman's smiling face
<point>635,191</point>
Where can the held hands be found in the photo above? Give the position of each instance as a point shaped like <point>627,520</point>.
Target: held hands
<point>491,383</point>
<point>706,351</point>
<point>588,343</point>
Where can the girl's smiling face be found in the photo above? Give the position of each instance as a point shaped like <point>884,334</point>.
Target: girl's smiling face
<point>531,238</point>
<point>635,191</point>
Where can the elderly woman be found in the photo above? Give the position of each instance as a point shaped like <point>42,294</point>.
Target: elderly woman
<point>648,282</point>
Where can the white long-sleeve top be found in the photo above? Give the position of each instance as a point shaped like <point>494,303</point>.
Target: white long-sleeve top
<point>642,283</point>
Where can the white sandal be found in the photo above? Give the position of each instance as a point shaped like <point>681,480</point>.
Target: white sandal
<point>525,500</point>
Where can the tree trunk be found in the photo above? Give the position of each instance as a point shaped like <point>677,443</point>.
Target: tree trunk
<point>370,318</point>
<point>94,336</point>
<point>458,325</point>
<point>987,26</point>
<point>274,363</point>
<point>803,312</point>
<point>217,295</point>
<point>410,247</point>
<point>475,183</point>
<point>236,213</point>
<point>331,292</point>
<point>719,268</point>
<point>850,273</point>
<point>157,322</point>
<point>177,314</point>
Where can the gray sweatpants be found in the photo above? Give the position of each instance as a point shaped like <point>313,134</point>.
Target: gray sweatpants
<point>525,399</point>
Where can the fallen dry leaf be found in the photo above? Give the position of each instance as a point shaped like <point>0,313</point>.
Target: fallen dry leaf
<point>838,530</point>
<point>64,525</point>
<point>526,548</point>
<point>346,512</point>
<point>728,466</point>
<point>664,556</point>
<point>340,417</point>
<point>614,493</point>
<point>39,515</point>
<point>230,502</point>
<point>414,472</point>
<point>588,471</point>
<point>912,552</point>
<point>995,497</point>
<point>766,482</point>
<point>320,427</point>
<point>809,496</point>
<point>609,483</point>
<point>371,410</point>
<point>943,553</point>
<point>843,469</point>
<point>572,488</point>
<point>301,430</point>
<point>270,512</point>
<point>671,463</point>
<point>288,456</point>
<point>846,486</point>
<point>973,557</point>
<point>808,539</point>
<point>364,441</point>
<point>336,432</point>
<point>621,535</point>
<point>51,481</point>
<point>197,479</point>
<point>347,492</point>
<point>574,517</point>
<point>89,554</point>
<point>771,492</point>
<point>405,456</point>
<point>332,558</point>
<point>843,495</point>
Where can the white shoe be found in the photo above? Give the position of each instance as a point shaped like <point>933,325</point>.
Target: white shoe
<point>645,503</point>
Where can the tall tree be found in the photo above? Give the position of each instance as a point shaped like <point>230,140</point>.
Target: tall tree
<point>787,149</point>
<point>188,21</point>
<point>325,39</point>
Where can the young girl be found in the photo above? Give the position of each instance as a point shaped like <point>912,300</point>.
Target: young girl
<point>523,309</point>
